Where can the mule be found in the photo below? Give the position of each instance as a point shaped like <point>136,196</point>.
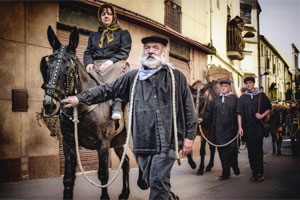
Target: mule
<point>64,75</point>
<point>207,93</point>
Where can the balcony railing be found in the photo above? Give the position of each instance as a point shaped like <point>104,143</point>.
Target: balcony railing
<point>235,44</point>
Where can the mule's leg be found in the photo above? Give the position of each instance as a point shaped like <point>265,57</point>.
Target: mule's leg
<point>273,142</point>
<point>202,156</point>
<point>212,158</point>
<point>278,142</point>
<point>141,182</point>
<point>70,167</point>
<point>191,161</point>
<point>103,173</point>
<point>125,167</point>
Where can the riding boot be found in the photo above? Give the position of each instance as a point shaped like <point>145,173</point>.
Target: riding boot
<point>117,109</point>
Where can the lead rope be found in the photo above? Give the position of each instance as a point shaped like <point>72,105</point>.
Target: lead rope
<point>76,121</point>
<point>174,115</point>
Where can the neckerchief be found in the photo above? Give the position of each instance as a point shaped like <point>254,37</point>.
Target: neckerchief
<point>108,32</point>
<point>255,92</point>
<point>225,95</point>
<point>145,74</point>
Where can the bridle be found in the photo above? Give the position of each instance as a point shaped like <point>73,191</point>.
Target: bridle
<point>71,74</point>
<point>55,68</point>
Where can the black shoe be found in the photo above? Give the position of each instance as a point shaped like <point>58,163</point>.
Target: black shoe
<point>260,178</point>
<point>254,177</point>
<point>223,178</point>
<point>236,171</point>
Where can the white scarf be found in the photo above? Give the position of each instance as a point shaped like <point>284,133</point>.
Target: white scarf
<point>255,92</point>
<point>225,95</point>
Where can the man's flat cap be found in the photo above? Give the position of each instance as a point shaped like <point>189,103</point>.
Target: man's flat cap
<point>225,82</point>
<point>155,38</point>
<point>250,78</point>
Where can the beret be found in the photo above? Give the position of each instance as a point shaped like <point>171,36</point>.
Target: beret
<point>225,82</point>
<point>250,78</point>
<point>155,38</point>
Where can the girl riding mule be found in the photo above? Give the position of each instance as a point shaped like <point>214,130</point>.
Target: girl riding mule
<point>64,75</point>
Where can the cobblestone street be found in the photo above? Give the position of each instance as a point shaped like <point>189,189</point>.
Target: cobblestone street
<point>282,180</point>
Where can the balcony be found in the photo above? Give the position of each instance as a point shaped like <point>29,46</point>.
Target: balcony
<point>235,43</point>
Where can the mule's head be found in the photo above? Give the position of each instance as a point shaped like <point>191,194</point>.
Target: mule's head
<point>59,71</point>
<point>210,90</point>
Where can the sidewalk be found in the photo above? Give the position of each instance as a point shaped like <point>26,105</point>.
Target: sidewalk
<point>282,181</point>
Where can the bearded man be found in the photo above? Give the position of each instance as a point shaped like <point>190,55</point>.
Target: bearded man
<point>152,129</point>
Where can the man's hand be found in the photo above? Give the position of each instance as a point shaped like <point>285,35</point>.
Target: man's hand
<point>259,116</point>
<point>105,65</point>
<point>240,132</point>
<point>187,146</point>
<point>200,120</point>
<point>71,101</point>
<point>90,67</point>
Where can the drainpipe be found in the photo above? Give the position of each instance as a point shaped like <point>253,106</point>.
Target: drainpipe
<point>258,49</point>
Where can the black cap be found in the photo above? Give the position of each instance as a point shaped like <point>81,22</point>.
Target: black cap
<point>225,82</point>
<point>155,38</point>
<point>250,78</point>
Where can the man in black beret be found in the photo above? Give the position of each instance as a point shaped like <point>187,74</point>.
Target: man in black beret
<point>255,106</point>
<point>224,113</point>
<point>152,119</point>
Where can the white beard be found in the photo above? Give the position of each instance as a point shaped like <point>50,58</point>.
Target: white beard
<point>153,63</point>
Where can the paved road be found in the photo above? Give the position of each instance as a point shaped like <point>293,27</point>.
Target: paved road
<point>282,181</point>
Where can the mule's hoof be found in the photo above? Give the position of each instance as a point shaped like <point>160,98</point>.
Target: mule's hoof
<point>68,194</point>
<point>124,196</point>
<point>200,172</point>
<point>192,164</point>
<point>142,184</point>
<point>208,169</point>
<point>104,197</point>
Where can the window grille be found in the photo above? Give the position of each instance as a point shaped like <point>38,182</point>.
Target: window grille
<point>173,15</point>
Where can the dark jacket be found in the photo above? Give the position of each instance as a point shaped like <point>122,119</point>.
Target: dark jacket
<point>152,128</point>
<point>224,118</point>
<point>116,50</point>
<point>252,127</point>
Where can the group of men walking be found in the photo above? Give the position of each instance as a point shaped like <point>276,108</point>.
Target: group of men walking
<point>245,116</point>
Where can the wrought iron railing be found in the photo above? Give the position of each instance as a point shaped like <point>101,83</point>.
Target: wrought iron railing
<point>234,39</point>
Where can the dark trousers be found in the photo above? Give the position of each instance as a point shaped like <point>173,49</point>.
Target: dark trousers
<point>229,158</point>
<point>256,155</point>
<point>157,173</point>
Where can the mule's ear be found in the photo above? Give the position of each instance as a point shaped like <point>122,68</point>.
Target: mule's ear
<point>73,40</point>
<point>53,40</point>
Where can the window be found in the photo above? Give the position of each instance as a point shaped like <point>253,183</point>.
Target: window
<point>246,12</point>
<point>173,15</point>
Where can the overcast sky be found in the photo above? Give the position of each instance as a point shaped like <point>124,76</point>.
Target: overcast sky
<point>280,24</point>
